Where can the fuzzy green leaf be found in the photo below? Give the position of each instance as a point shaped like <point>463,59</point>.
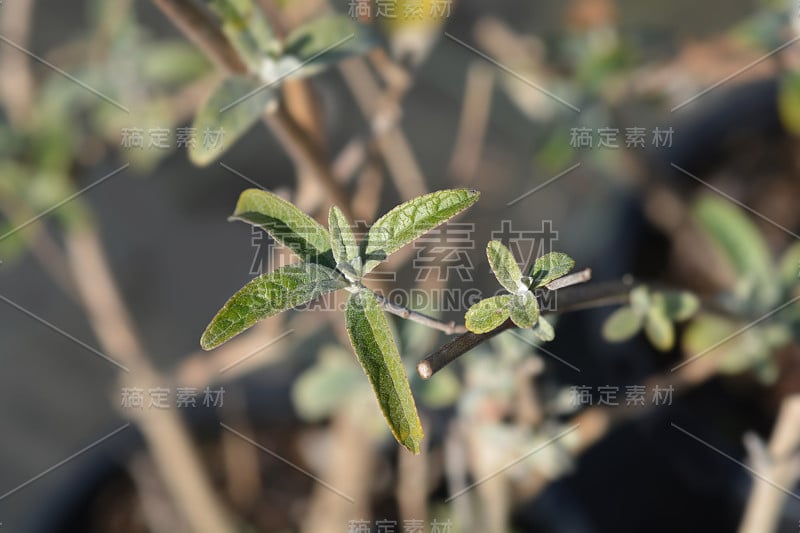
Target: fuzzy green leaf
<point>268,295</point>
<point>678,305</point>
<point>376,350</point>
<point>504,266</point>
<point>488,314</point>
<point>659,329</point>
<point>343,242</point>
<point>231,109</point>
<point>410,220</point>
<point>247,29</point>
<point>544,330</point>
<point>327,40</point>
<point>523,309</point>
<point>287,225</point>
<point>740,242</point>
<point>622,325</point>
<point>550,267</point>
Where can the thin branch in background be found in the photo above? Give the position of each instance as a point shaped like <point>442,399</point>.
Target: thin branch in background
<point>475,112</point>
<point>16,78</point>
<point>164,431</point>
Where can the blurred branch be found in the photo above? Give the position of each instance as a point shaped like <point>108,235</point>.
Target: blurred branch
<point>780,469</point>
<point>475,112</point>
<point>16,79</point>
<point>167,438</point>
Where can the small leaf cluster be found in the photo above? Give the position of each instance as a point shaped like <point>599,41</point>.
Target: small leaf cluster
<point>654,311</point>
<point>520,304</point>
<point>240,100</point>
<point>331,259</point>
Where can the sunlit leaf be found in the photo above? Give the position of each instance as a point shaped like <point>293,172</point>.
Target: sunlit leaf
<point>232,109</point>
<point>327,40</point>
<point>488,314</point>
<point>622,325</point>
<point>287,225</point>
<point>376,350</point>
<point>523,309</point>
<point>411,220</point>
<point>268,295</point>
<point>550,267</point>
<point>504,266</point>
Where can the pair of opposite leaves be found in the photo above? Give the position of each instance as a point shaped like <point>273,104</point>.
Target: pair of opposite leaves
<point>332,260</point>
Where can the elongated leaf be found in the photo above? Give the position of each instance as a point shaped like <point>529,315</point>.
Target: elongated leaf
<point>622,325</point>
<point>247,29</point>
<point>343,242</point>
<point>550,267</point>
<point>504,266</point>
<point>740,241</point>
<point>328,40</point>
<point>287,225</point>
<point>374,345</point>
<point>488,314</point>
<point>268,295</point>
<point>411,220</point>
<point>227,114</point>
<point>659,329</point>
<point>523,309</point>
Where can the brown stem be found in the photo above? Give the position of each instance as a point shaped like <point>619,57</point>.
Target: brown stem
<point>450,328</point>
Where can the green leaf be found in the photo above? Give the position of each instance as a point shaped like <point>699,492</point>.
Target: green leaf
<point>678,305</point>
<point>327,40</point>
<point>488,314</point>
<point>640,299</point>
<point>544,330</point>
<point>343,242</point>
<point>524,309</point>
<point>659,329</point>
<point>269,295</point>
<point>374,345</point>
<point>505,267</point>
<point>231,109</point>
<point>409,221</point>
<point>740,241</point>
<point>622,325</point>
<point>247,29</point>
<point>550,267</point>
<point>287,225</point>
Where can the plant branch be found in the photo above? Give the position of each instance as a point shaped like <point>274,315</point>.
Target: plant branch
<point>569,298</point>
<point>450,328</point>
<point>203,30</point>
